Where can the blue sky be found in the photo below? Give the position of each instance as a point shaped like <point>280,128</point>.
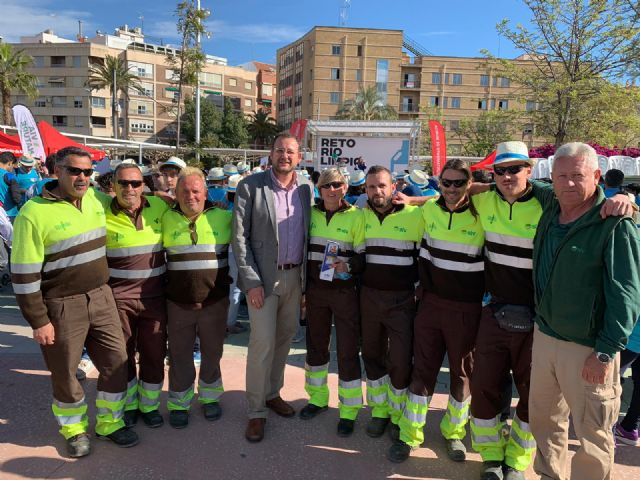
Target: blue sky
<point>246,30</point>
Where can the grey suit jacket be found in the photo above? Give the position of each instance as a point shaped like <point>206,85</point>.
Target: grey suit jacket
<point>255,231</point>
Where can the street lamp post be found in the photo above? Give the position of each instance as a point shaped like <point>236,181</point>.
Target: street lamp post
<point>198,93</point>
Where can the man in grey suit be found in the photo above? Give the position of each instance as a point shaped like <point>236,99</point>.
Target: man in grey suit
<point>271,224</point>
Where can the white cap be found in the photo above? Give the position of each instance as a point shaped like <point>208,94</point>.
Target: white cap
<point>233,182</point>
<point>418,178</point>
<point>512,152</point>
<point>129,160</point>
<point>357,179</point>
<point>27,161</point>
<point>216,173</point>
<point>242,167</point>
<point>256,170</point>
<point>230,169</point>
<point>174,162</point>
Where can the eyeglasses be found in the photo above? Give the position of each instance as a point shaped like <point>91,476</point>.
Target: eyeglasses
<point>75,171</point>
<point>456,183</point>
<point>194,233</point>
<point>130,183</point>
<point>334,185</point>
<point>281,151</point>
<point>512,170</point>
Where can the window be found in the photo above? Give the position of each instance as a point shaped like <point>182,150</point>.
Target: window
<point>248,103</point>
<point>141,126</point>
<point>358,75</point>
<point>59,101</point>
<point>76,82</point>
<point>334,97</point>
<point>170,75</point>
<point>267,89</point>
<point>233,82</point>
<point>77,61</point>
<point>445,102</point>
<point>410,80</point>
<point>446,79</point>
<point>40,102</point>
<point>505,82</point>
<point>335,74</point>
<point>436,78</point>
<point>503,104</point>
<point>171,93</point>
<point>98,102</point>
<point>492,104</point>
<point>38,62</point>
<point>482,104</point>
<point>359,53</point>
<point>484,80</point>
<point>248,85</point>
<point>57,82</point>
<point>382,78</point>
<point>147,90</point>
<point>335,49</point>
<point>434,101</point>
<point>455,102</point>
<point>407,104</point>
<point>59,121</point>
<point>531,106</point>
<point>143,70</point>
<point>58,62</point>
<point>453,125</point>
<point>78,122</point>
<point>457,79</point>
<point>210,79</point>
<point>98,122</point>
<point>77,102</point>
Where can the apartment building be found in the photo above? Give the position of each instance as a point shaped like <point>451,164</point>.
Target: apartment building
<point>328,65</point>
<point>62,68</point>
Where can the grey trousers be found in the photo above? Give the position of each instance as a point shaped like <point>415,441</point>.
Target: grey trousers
<point>272,329</point>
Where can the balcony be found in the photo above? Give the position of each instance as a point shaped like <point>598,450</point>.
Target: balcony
<point>412,85</point>
<point>409,109</point>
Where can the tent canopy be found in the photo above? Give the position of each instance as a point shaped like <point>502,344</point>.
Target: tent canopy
<point>53,141</point>
<point>10,143</point>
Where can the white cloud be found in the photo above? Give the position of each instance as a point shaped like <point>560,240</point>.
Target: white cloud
<point>29,17</point>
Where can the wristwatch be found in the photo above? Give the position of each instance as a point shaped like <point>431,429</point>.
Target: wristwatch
<point>604,357</point>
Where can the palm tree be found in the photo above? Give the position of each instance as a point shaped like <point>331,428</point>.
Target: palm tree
<point>14,76</point>
<point>368,104</point>
<point>114,71</point>
<point>262,127</point>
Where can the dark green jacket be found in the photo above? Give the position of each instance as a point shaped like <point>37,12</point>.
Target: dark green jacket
<point>593,293</point>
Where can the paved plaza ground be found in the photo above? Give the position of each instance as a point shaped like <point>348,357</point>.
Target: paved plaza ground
<point>31,448</point>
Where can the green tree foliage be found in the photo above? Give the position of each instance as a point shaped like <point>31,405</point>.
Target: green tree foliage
<point>366,105</point>
<point>14,77</point>
<point>210,123</point>
<point>571,46</point>
<point>102,76</point>
<point>234,132</point>
<point>479,136</point>
<point>262,128</point>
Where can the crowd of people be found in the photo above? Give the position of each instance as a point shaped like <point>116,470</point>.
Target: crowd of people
<point>517,282</point>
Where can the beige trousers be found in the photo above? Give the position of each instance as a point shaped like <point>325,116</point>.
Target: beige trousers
<point>557,390</point>
<point>272,329</point>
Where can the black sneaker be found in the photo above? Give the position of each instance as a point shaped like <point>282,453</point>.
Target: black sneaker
<point>212,411</point>
<point>456,450</point>
<point>79,445</point>
<point>152,419</point>
<point>394,431</point>
<point>130,418</point>
<point>345,427</point>
<point>179,418</point>
<point>377,426</point>
<point>492,470</point>
<point>399,452</point>
<point>511,473</point>
<point>123,437</point>
<point>310,411</point>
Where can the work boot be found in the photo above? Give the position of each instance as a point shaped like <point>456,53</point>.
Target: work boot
<point>122,437</point>
<point>152,419</point>
<point>212,411</point>
<point>179,418</point>
<point>377,426</point>
<point>399,452</point>
<point>492,471</point>
<point>130,418</point>
<point>456,450</point>
<point>345,427</point>
<point>394,431</point>
<point>511,473</point>
<point>79,445</point>
<point>310,411</point>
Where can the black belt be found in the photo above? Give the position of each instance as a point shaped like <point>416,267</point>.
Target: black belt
<point>288,266</point>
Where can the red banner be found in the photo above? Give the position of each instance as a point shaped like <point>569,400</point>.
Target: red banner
<point>438,147</point>
<point>297,128</point>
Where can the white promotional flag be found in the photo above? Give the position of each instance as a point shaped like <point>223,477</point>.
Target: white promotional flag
<point>30,139</point>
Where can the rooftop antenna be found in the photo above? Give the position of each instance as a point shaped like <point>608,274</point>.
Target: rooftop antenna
<point>344,12</point>
<point>141,18</point>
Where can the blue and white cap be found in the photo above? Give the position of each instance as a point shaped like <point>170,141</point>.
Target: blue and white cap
<point>233,183</point>
<point>357,178</point>
<point>230,169</point>
<point>216,173</point>
<point>512,152</point>
<point>418,178</point>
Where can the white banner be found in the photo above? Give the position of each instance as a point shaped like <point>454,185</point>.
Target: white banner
<point>390,152</point>
<point>30,139</point>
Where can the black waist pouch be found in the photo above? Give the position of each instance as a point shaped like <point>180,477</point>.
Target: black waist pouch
<point>513,318</point>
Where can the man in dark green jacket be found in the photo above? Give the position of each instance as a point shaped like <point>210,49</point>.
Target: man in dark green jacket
<point>587,289</point>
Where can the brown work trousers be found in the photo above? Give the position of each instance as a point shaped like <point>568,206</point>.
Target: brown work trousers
<point>86,320</point>
<point>444,326</point>
<point>387,334</point>
<point>209,323</point>
<point>144,323</point>
<point>497,352</point>
<point>339,306</point>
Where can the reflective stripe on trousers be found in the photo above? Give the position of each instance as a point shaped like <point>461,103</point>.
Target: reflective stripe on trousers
<point>180,400</point>
<point>72,417</point>
<point>110,414</point>
<point>315,384</point>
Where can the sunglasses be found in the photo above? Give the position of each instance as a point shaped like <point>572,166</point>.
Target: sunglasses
<point>194,233</point>
<point>334,185</point>
<point>456,183</point>
<point>75,171</point>
<point>512,170</point>
<point>130,183</point>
